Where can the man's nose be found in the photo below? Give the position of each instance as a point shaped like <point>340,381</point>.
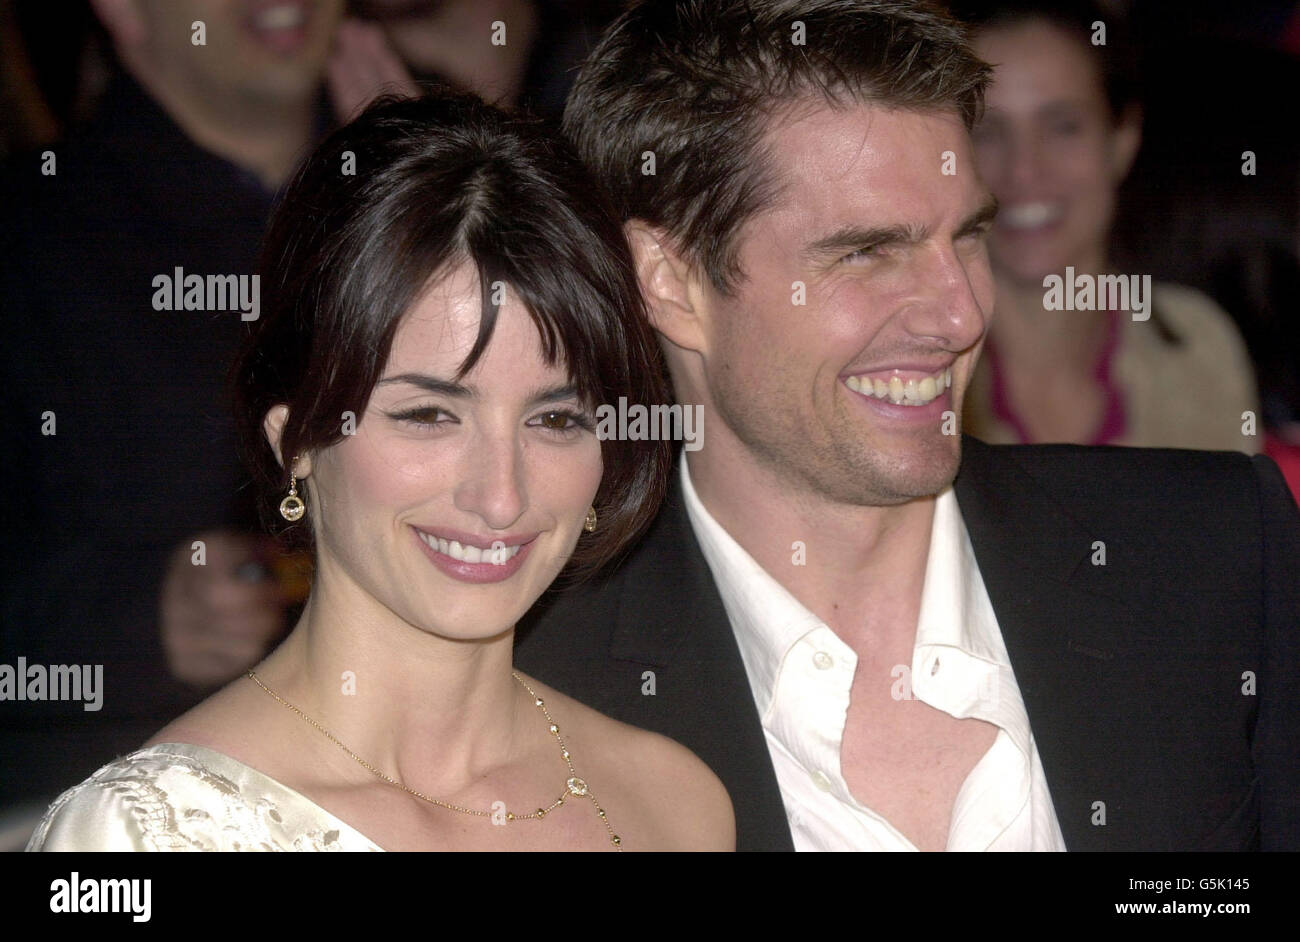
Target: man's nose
<point>954,300</point>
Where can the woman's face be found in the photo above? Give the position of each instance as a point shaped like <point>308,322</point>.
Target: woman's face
<point>455,504</point>
<point>1049,150</point>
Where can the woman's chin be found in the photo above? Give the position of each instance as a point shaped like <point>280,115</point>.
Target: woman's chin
<point>477,627</point>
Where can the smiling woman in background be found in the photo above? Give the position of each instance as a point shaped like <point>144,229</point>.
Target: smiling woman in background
<point>449,302</point>
<point>1061,130</point>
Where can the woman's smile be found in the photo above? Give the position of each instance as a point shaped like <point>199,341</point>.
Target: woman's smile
<point>475,559</point>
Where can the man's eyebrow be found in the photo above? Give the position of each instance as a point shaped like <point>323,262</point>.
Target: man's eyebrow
<point>851,237</point>
<point>848,238</point>
<point>981,217</point>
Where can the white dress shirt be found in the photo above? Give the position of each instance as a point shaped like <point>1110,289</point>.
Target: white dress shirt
<point>801,675</point>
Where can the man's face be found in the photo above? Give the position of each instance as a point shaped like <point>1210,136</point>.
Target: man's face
<point>890,251</point>
<point>256,50</point>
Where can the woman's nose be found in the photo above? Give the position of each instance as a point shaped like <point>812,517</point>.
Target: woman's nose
<point>493,481</point>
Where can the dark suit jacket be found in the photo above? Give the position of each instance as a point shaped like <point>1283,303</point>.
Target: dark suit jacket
<point>1133,673</point>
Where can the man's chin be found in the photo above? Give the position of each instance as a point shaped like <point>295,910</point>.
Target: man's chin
<point>914,472</point>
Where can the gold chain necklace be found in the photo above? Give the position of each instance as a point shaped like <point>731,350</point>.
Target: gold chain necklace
<point>574,786</point>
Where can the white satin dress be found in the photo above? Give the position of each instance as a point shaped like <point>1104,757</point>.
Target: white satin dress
<point>176,796</point>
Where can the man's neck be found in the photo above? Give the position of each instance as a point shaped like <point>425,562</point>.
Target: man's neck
<point>859,569</point>
<point>267,140</point>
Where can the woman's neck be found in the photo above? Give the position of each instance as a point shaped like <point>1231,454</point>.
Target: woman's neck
<point>432,712</point>
<point>1033,340</point>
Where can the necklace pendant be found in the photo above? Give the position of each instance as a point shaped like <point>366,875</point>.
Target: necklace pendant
<point>577,786</point>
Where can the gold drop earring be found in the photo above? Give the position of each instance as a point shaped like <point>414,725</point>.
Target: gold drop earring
<point>590,524</point>
<point>292,507</point>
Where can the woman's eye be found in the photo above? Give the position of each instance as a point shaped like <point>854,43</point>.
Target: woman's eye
<point>562,420</point>
<point>425,415</point>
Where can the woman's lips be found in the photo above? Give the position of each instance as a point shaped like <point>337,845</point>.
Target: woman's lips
<point>496,563</point>
<point>281,26</point>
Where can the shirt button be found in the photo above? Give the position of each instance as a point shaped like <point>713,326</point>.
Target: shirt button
<point>823,661</point>
<point>821,781</point>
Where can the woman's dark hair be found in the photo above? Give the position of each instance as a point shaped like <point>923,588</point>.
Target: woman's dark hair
<point>1117,59</point>
<point>408,191</point>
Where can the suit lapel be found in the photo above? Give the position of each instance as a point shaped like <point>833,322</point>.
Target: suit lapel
<point>670,619</point>
<point>670,570</point>
<point>1064,634</point>
<point>1066,638</point>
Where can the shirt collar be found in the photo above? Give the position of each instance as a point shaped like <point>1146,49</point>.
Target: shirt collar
<point>955,611</point>
<point>767,620</point>
<point>956,614</point>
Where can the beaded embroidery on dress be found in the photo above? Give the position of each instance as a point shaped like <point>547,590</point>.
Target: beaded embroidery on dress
<point>181,797</point>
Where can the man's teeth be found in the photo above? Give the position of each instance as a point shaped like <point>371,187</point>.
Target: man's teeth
<point>499,554</point>
<point>902,392</point>
<point>1029,215</point>
<point>286,16</point>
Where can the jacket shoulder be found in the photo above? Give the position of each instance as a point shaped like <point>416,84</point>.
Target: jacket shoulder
<point>1161,479</point>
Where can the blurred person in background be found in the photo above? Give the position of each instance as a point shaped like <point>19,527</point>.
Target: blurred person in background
<point>392,45</point>
<point>1061,131</point>
<point>1229,212</point>
<point>128,520</point>
<point>512,53</point>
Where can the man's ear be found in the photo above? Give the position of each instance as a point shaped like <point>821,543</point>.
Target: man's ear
<point>1125,142</point>
<point>123,20</point>
<point>669,285</point>
<point>273,426</point>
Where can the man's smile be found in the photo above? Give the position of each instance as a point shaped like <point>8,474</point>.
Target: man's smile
<point>900,387</point>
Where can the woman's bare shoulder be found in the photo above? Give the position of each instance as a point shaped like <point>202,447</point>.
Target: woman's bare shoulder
<point>678,797</point>
<point>226,721</point>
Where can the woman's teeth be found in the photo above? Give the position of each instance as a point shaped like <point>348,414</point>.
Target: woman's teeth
<point>902,392</point>
<point>1029,215</point>
<point>284,16</point>
<point>498,554</point>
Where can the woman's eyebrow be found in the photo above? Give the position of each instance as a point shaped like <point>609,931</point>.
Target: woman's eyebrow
<point>554,394</point>
<point>431,384</point>
<point>445,387</point>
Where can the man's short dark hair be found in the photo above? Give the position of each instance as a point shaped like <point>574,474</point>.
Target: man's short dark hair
<point>690,84</point>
